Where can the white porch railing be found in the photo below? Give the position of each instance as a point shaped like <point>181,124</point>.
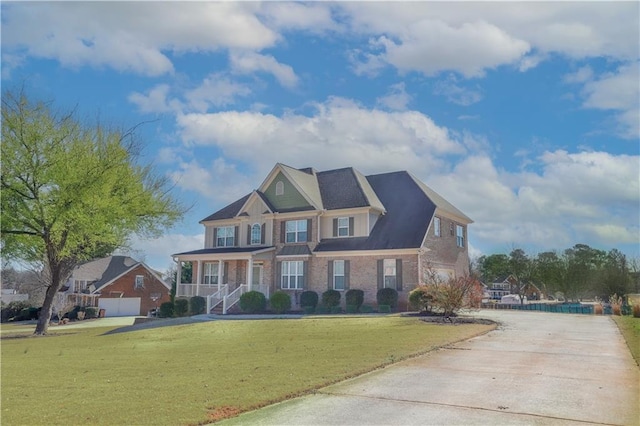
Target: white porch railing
<point>189,290</point>
<point>233,297</point>
<point>214,299</point>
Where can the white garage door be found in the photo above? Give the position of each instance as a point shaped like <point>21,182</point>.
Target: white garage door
<point>120,307</point>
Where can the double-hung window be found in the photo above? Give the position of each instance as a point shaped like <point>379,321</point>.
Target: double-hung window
<point>292,275</point>
<point>338,275</point>
<point>389,268</point>
<point>296,231</point>
<point>210,273</point>
<point>225,236</point>
<point>459,236</point>
<point>343,227</point>
<point>436,226</point>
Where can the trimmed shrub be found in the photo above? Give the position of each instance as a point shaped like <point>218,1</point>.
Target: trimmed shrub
<point>166,310</point>
<point>253,302</point>
<point>308,310</point>
<point>387,296</point>
<point>352,309</point>
<point>336,310</point>
<point>354,297</point>
<point>91,312</point>
<point>13,309</point>
<point>73,314</point>
<point>384,309</point>
<point>597,309</point>
<point>197,305</point>
<point>309,298</point>
<point>321,310</point>
<point>366,309</point>
<point>420,298</point>
<point>280,302</point>
<point>331,298</point>
<point>181,307</point>
<point>636,311</point>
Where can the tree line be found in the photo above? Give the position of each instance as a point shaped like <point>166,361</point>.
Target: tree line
<point>579,272</point>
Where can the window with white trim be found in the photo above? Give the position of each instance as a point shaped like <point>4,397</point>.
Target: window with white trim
<point>79,285</point>
<point>292,275</point>
<point>139,283</point>
<point>389,267</point>
<point>296,231</point>
<point>210,272</point>
<point>256,234</point>
<point>436,226</point>
<point>279,188</point>
<point>343,227</point>
<point>459,236</point>
<point>338,275</point>
<point>225,236</point>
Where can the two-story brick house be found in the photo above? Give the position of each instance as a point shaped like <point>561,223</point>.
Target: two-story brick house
<point>304,229</point>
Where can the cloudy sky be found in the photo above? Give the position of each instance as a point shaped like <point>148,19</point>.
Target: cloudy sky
<point>523,115</point>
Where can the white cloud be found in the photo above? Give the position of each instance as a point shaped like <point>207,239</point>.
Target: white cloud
<point>217,90</point>
<point>585,196</point>
<point>130,36</point>
<point>451,89</point>
<point>315,17</point>
<point>155,101</point>
<point>250,62</point>
<point>340,133</point>
<point>397,99</point>
<point>582,75</point>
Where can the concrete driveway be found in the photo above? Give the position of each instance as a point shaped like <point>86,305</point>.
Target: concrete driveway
<point>536,368</point>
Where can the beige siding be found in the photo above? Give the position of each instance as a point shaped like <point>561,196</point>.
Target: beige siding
<point>360,228</point>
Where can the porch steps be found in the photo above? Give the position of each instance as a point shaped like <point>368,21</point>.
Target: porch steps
<point>217,310</point>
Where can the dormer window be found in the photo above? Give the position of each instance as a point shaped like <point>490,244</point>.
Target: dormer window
<point>256,234</point>
<point>279,188</point>
<point>343,227</point>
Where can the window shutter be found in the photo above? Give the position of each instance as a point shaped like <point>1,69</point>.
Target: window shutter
<point>346,274</point>
<point>399,274</point>
<point>330,275</point>
<point>235,236</point>
<point>335,227</point>
<point>351,223</point>
<point>283,227</point>
<point>305,274</point>
<point>262,233</point>
<point>225,273</point>
<point>248,234</point>
<point>309,228</point>
<point>380,273</point>
<point>278,275</point>
<point>215,237</point>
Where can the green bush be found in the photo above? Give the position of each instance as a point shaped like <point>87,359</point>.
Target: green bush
<point>387,296</point>
<point>331,298</point>
<point>352,309</point>
<point>12,309</point>
<point>181,307</point>
<point>166,310</point>
<point>73,314</point>
<point>197,305</point>
<point>336,310</point>
<point>354,297</point>
<point>91,312</point>
<point>384,309</point>
<point>420,298</point>
<point>308,310</point>
<point>280,302</point>
<point>309,298</point>
<point>253,302</point>
<point>366,309</point>
<point>321,310</point>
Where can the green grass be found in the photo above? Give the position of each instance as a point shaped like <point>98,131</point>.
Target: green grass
<point>189,374</point>
<point>630,329</point>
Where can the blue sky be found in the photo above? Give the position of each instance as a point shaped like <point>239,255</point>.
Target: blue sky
<point>523,115</point>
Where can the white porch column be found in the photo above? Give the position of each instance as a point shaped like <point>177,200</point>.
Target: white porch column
<point>220,273</point>
<point>178,275</point>
<point>198,277</point>
<point>250,273</point>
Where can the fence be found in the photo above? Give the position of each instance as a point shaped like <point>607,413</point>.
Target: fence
<point>561,308</point>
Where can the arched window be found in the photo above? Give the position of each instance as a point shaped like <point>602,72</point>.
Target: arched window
<point>256,234</point>
<point>279,188</point>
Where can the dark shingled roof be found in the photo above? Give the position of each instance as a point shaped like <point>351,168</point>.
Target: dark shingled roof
<point>112,266</point>
<point>409,212</point>
<point>297,250</point>
<point>340,189</point>
<point>229,211</point>
<point>222,250</point>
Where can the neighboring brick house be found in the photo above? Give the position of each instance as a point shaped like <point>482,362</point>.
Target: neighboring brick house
<point>118,284</point>
<point>308,230</point>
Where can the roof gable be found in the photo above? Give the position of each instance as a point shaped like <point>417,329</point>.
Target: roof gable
<point>228,212</point>
<point>300,189</point>
<point>441,203</point>
<point>102,272</point>
<point>252,199</point>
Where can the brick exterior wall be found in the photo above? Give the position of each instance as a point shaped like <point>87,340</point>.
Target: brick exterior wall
<point>443,251</point>
<point>126,285</point>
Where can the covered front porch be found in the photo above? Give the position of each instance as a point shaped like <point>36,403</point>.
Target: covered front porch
<point>222,275</point>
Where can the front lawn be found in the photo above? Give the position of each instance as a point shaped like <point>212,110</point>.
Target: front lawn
<point>630,329</point>
<point>190,374</point>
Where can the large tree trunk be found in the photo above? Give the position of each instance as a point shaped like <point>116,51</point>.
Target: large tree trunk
<point>47,309</point>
